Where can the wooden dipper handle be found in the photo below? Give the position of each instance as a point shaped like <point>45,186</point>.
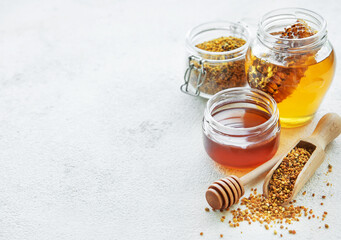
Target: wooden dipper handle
<point>227,191</point>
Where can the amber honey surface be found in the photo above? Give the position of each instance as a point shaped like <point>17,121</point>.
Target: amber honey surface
<point>249,153</point>
<point>301,105</point>
<point>303,93</point>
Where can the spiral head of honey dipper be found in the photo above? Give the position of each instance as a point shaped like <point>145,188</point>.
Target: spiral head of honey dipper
<point>225,192</point>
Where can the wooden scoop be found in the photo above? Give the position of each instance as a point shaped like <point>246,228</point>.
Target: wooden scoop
<point>227,191</point>
<point>327,129</point>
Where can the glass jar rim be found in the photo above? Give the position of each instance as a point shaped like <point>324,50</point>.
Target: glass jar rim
<point>214,25</point>
<point>274,118</point>
<point>310,41</point>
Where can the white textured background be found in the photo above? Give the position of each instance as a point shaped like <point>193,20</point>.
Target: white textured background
<point>97,141</point>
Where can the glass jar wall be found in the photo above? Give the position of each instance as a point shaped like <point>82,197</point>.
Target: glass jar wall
<point>209,72</point>
<point>241,127</point>
<point>294,65</point>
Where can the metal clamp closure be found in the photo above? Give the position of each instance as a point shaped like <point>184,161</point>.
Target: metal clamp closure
<point>201,76</point>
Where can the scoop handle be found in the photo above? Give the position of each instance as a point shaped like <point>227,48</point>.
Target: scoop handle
<point>327,129</point>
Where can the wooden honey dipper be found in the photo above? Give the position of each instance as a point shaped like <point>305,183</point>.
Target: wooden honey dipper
<point>227,191</point>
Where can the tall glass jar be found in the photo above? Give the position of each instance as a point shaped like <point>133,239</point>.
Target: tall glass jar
<point>210,72</point>
<point>296,72</point>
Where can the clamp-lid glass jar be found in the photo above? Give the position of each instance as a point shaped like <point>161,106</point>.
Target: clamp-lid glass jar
<point>241,127</point>
<point>209,72</point>
<point>292,60</point>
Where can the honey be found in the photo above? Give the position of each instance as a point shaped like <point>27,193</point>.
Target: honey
<point>293,61</point>
<point>302,104</point>
<point>246,154</point>
<point>241,127</point>
<point>312,83</point>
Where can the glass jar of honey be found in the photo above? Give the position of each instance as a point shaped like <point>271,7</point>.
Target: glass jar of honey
<point>292,60</point>
<point>216,58</point>
<point>241,127</point>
